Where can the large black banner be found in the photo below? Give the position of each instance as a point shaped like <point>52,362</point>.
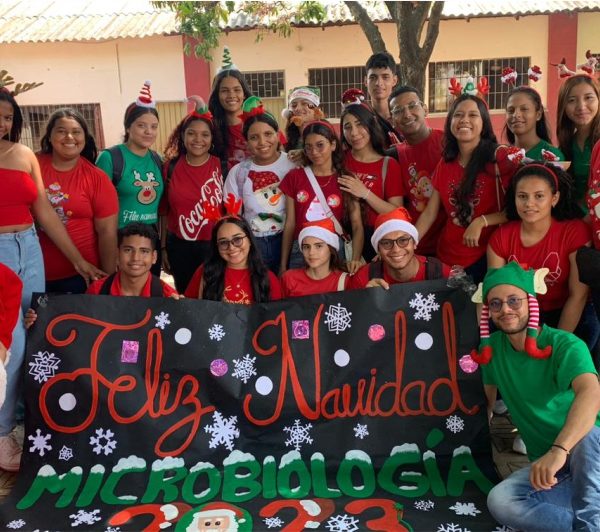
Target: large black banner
<point>347,411</point>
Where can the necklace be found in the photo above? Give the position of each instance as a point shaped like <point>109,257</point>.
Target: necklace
<point>200,164</point>
<point>242,279</point>
<point>326,183</point>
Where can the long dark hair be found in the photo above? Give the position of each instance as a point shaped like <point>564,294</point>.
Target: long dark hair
<point>132,113</point>
<point>483,154</point>
<point>565,128</point>
<point>368,120</point>
<point>175,147</point>
<point>215,107</point>
<point>14,135</point>
<point>214,267</point>
<point>323,128</point>
<point>542,129</point>
<point>335,261</point>
<point>566,207</point>
<point>90,151</point>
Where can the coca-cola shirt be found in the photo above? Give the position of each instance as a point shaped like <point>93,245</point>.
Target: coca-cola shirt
<point>189,190</point>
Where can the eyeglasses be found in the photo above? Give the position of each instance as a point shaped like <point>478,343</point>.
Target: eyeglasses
<point>236,242</point>
<point>411,107</point>
<point>401,242</point>
<point>513,303</point>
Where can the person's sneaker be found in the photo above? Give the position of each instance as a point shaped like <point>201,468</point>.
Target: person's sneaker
<point>519,446</point>
<point>500,407</point>
<point>10,453</point>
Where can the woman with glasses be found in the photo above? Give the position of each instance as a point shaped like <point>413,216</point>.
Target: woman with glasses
<point>545,230</point>
<point>395,238</point>
<point>375,179</point>
<point>313,193</point>
<point>234,271</point>
<point>469,184</point>
<point>83,198</point>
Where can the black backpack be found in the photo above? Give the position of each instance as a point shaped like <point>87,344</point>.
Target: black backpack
<point>118,163</point>
<point>156,289</point>
<point>433,269</point>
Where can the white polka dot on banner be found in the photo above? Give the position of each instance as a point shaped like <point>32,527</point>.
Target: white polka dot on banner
<point>341,358</point>
<point>264,385</point>
<point>67,402</point>
<point>424,341</point>
<point>183,336</point>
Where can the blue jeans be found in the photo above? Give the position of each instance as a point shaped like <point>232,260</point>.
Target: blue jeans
<point>21,252</point>
<point>296,259</point>
<point>270,249</point>
<point>572,504</point>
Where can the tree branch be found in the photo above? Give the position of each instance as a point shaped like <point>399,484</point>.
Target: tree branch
<point>369,28</point>
<point>433,30</point>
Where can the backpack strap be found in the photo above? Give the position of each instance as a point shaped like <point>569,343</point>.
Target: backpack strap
<point>156,289</point>
<point>342,282</point>
<point>376,270</point>
<point>170,170</point>
<point>157,160</point>
<point>117,163</point>
<point>107,284</point>
<point>433,268</point>
<point>386,162</point>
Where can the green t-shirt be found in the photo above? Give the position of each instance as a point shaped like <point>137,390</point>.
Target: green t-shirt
<point>140,188</point>
<point>580,169</point>
<point>535,153</point>
<point>538,392</point>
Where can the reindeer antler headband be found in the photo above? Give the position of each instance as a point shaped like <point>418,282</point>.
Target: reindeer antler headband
<point>6,79</point>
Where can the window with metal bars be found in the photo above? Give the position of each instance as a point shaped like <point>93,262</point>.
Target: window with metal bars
<point>266,84</point>
<point>35,119</point>
<point>333,82</point>
<point>440,73</point>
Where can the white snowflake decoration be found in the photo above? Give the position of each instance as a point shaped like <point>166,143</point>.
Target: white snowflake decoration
<point>113,529</point>
<point>451,527</point>
<point>299,434</point>
<point>103,441</point>
<point>503,528</point>
<point>39,442</point>
<point>424,305</point>
<point>455,424</point>
<point>222,431</point>
<point>273,522</point>
<point>338,318</point>
<point>424,506</point>
<point>17,523</point>
<point>66,453</point>
<point>342,523</point>
<point>44,366</point>
<point>162,320</point>
<point>360,431</point>
<point>216,332</point>
<point>465,508</point>
<point>244,368</point>
<point>83,517</point>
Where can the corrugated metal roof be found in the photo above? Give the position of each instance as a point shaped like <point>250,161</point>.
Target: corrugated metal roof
<point>89,20</point>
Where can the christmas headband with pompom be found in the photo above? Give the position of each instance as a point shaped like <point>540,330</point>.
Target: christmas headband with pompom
<point>480,90</point>
<point>200,108</point>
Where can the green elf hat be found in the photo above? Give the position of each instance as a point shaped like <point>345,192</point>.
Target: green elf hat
<point>253,106</point>
<point>530,281</point>
<point>200,108</point>
<point>227,63</point>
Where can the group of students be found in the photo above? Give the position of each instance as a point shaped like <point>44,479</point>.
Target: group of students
<point>238,211</point>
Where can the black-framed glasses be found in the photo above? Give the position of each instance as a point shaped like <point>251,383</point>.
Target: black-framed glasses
<point>513,302</point>
<point>411,107</point>
<point>236,242</point>
<point>401,242</point>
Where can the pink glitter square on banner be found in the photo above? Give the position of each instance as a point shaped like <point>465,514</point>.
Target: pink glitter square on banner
<point>129,351</point>
<point>300,329</point>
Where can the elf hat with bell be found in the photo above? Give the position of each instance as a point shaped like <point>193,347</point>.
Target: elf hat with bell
<point>531,282</point>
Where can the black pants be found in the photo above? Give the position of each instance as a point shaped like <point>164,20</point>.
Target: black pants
<point>185,256</point>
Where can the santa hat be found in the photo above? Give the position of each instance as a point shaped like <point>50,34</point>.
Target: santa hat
<point>321,229</point>
<point>262,179</point>
<point>145,97</point>
<point>531,282</point>
<point>352,96</point>
<point>396,220</point>
<point>200,108</point>
<point>306,92</point>
<point>227,62</point>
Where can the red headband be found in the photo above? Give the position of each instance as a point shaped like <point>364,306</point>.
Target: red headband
<point>322,123</point>
<point>552,172</point>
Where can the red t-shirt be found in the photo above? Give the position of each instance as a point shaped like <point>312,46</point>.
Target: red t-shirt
<point>10,303</point>
<point>20,193</point>
<point>187,190</point>
<point>593,194</point>
<point>296,283</point>
<point>446,179</point>
<point>78,196</point>
<point>237,148</point>
<point>307,206</point>
<point>115,289</point>
<point>362,277</point>
<point>371,176</point>
<point>552,252</point>
<point>238,288</point>
<point>417,164</point>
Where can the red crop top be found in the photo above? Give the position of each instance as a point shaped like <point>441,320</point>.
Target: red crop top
<point>19,194</point>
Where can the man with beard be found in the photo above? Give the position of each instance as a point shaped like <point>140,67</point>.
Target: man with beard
<point>548,381</point>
